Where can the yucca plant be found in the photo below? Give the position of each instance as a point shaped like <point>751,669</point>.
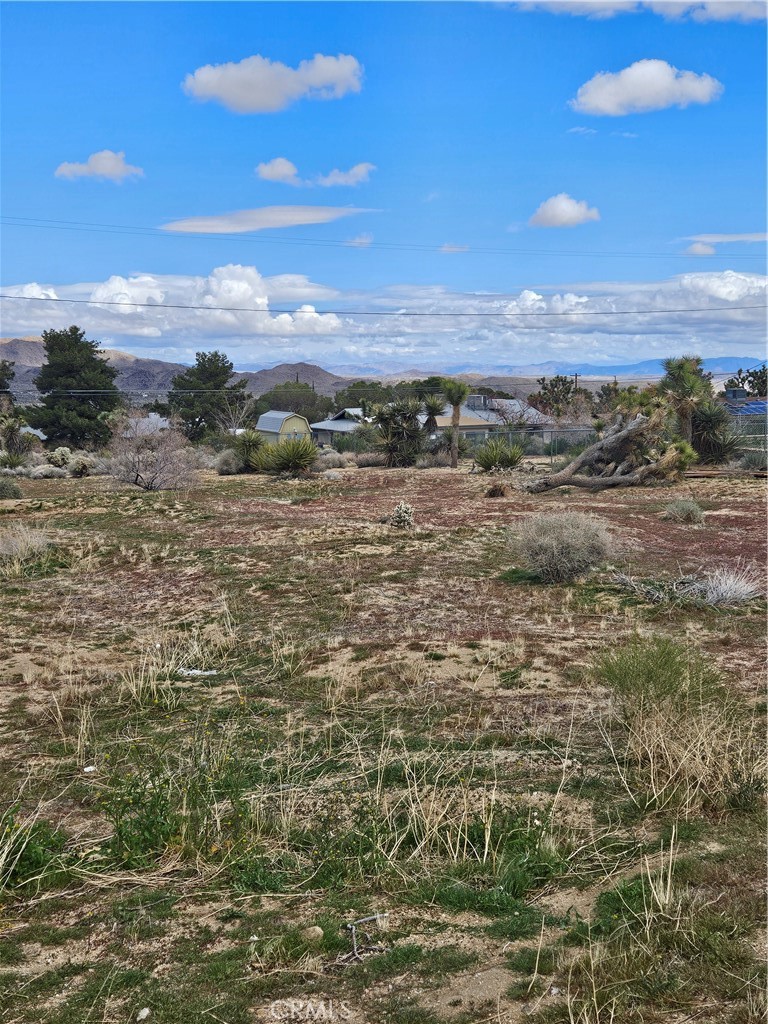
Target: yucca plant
<point>713,437</point>
<point>497,454</point>
<point>248,447</point>
<point>295,455</point>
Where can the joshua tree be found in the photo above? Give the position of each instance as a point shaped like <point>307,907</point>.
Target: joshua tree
<point>685,387</point>
<point>433,406</point>
<point>456,393</point>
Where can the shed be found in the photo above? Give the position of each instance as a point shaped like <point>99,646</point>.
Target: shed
<point>275,426</point>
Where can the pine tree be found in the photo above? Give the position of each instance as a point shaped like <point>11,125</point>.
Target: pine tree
<point>78,389</point>
<point>200,395</point>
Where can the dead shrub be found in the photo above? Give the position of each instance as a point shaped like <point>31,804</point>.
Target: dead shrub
<point>497,490</point>
<point>559,548</point>
<point>151,456</point>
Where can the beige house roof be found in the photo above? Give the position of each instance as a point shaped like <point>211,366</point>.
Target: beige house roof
<point>465,422</point>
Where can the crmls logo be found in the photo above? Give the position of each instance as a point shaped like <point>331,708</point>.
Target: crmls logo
<point>309,1009</point>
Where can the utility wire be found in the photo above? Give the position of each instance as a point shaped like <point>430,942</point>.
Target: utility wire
<point>380,313</point>
<point>32,222</point>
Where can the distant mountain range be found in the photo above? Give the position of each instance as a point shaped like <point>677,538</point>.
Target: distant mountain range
<point>151,378</point>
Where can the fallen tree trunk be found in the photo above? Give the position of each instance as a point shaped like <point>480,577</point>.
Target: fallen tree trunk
<point>616,460</point>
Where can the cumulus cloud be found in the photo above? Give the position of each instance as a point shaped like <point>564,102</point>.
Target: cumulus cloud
<point>579,130</point>
<point>281,170</point>
<point>643,86</point>
<point>105,164</point>
<point>354,176</point>
<point>700,249</point>
<point>562,211</point>
<point>284,171</point>
<point>262,218</point>
<point>703,10</point>
<point>271,319</point>
<point>257,85</point>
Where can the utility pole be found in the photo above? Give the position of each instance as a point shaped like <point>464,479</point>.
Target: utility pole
<point>576,380</point>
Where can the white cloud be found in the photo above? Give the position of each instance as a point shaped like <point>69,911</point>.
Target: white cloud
<point>703,10</point>
<point>252,332</point>
<point>360,241</point>
<point>562,211</point>
<point>578,130</point>
<point>287,173</point>
<point>281,170</point>
<point>354,176</point>
<point>262,218</point>
<point>105,164</point>
<point>451,247</point>
<point>714,239</point>
<point>643,86</point>
<point>258,85</point>
<point>700,249</point>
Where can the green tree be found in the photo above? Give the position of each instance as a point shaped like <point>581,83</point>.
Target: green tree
<point>456,393</point>
<point>299,398</point>
<point>364,393</point>
<point>78,389</point>
<point>685,386</point>
<point>7,373</point>
<point>202,394</point>
<point>754,381</point>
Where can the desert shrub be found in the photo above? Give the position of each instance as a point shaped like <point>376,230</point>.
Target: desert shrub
<point>228,463</point>
<point>151,456</point>
<point>59,457</point>
<point>366,459</point>
<point>497,490</point>
<point>29,849</point>
<point>8,489</point>
<point>443,441</point>
<point>330,460</point>
<point>294,455</point>
<point>684,510</point>
<point>437,460</point>
<point>559,548</point>
<point>725,586</point>
<point>80,465</point>
<point>498,453</point>
<point>403,516</point>
<point>680,738</point>
<point>19,543</point>
<point>47,472</point>
<point>249,448</point>
<point>756,461</point>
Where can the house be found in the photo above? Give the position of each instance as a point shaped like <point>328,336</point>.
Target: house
<point>344,422</point>
<point>275,426</point>
<point>481,415</point>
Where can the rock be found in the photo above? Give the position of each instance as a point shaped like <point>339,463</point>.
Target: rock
<point>312,934</point>
<point>331,474</point>
<point>143,1014</point>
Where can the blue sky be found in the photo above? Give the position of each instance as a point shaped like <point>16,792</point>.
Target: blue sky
<point>488,158</point>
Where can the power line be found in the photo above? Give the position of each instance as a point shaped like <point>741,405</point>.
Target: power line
<point>380,313</point>
<point>123,229</point>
